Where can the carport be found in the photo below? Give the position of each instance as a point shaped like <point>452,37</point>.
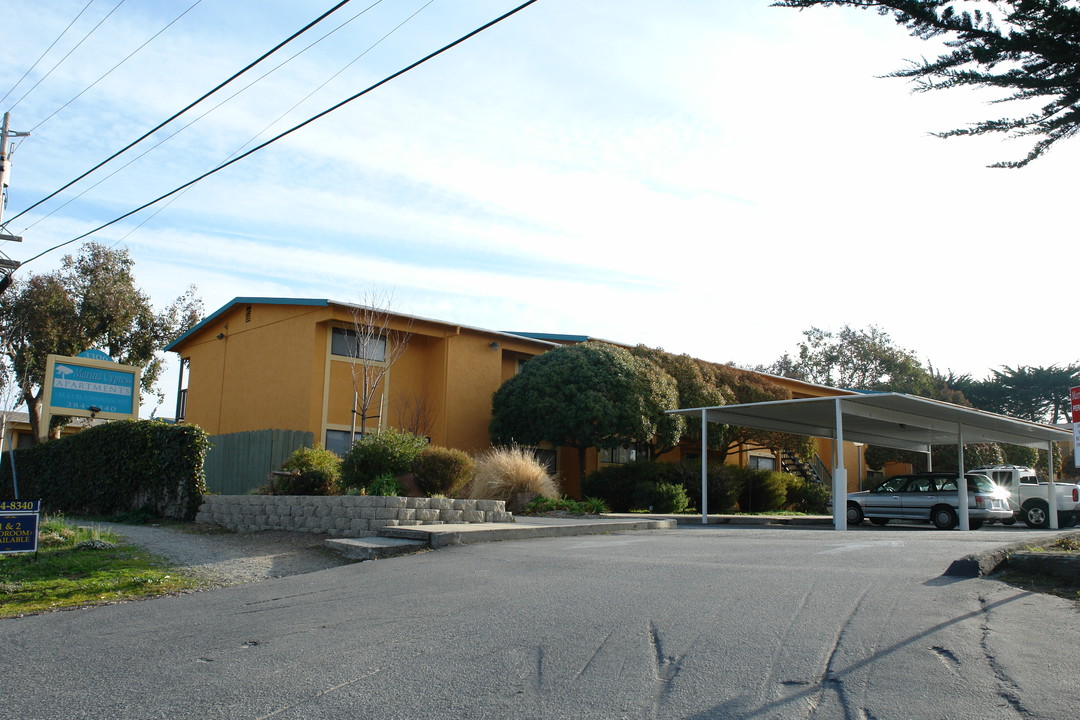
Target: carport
<point>894,420</point>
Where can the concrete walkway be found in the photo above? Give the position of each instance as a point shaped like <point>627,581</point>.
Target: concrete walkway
<point>417,538</point>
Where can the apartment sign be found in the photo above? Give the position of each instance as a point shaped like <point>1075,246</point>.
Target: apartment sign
<point>91,385</point>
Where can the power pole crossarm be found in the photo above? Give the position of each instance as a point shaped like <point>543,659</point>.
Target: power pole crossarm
<point>5,160</point>
<point>7,265</point>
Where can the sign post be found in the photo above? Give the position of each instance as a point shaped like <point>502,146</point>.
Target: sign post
<point>1074,398</point>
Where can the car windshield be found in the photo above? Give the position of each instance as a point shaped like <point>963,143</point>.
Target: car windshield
<point>980,483</point>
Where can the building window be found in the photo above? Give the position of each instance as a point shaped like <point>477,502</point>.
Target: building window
<point>626,453</point>
<point>762,462</point>
<point>339,441</point>
<point>346,343</point>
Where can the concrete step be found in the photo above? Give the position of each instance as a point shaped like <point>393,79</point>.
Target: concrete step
<point>373,548</point>
<point>438,536</point>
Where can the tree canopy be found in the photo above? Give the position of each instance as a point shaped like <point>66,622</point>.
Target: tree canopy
<point>1028,48</point>
<point>860,360</point>
<point>90,302</point>
<point>1039,394</point>
<point>587,395</point>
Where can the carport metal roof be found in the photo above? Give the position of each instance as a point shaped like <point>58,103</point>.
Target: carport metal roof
<point>892,420</point>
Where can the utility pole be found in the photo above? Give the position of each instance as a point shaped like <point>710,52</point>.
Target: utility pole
<point>7,265</point>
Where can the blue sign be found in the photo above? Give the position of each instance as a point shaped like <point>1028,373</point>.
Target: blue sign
<point>18,532</point>
<point>20,506</point>
<point>80,388</point>
<point>96,355</point>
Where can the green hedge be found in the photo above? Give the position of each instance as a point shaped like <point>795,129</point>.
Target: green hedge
<point>115,467</point>
<point>641,485</point>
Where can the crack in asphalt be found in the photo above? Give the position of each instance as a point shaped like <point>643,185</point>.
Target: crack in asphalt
<point>1007,688</point>
<point>831,679</point>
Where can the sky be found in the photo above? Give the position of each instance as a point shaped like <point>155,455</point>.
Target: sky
<point>712,177</point>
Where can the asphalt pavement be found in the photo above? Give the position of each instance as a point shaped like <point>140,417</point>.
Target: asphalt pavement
<point>714,621</point>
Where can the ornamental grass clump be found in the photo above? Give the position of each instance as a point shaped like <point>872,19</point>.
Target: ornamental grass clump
<point>505,473</point>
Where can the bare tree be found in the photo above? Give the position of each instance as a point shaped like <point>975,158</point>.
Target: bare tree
<point>414,413</point>
<point>373,344</point>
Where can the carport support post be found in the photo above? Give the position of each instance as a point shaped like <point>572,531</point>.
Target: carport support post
<point>704,467</point>
<point>839,476</point>
<point>1051,491</point>
<point>961,480</point>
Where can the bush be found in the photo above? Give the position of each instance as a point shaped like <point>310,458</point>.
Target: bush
<point>113,468</point>
<point>763,491</point>
<point>620,485</point>
<point>661,498</point>
<point>723,482</point>
<point>443,471</point>
<point>808,497</point>
<point>390,452</point>
<point>387,486</point>
<point>503,473</point>
<point>319,471</point>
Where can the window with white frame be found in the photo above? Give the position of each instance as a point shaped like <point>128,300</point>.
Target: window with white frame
<point>762,462</point>
<point>345,342</point>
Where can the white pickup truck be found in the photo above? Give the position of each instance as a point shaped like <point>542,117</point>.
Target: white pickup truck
<point>1029,497</point>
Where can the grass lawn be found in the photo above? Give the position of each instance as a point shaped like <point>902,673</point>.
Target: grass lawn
<point>78,565</point>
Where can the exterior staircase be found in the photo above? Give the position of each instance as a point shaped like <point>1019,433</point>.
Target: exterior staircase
<point>814,472</point>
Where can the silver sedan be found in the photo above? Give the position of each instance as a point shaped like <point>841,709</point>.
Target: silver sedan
<point>929,497</point>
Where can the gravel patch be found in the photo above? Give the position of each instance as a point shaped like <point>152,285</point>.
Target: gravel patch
<point>226,558</point>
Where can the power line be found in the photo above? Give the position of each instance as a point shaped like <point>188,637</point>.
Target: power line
<point>293,129</point>
<point>31,68</point>
<point>200,117</point>
<point>114,67</point>
<point>61,60</point>
<point>295,105</point>
<point>153,130</point>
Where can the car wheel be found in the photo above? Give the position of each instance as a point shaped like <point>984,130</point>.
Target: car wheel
<point>1037,514</point>
<point>975,524</point>
<point>943,517</point>
<point>1010,521</point>
<point>854,514</point>
<point>1067,520</point>
<point>879,521</point>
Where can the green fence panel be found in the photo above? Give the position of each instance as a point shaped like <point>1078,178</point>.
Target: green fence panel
<point>237,463</point>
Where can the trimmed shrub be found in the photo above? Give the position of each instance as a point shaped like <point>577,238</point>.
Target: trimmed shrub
<point>504,473</point>
<point>763,491</point>
<point>319,471</point>
<point>619,485</point>
<point>661,498</point>
<point>724,483</point>
<point>113,468</point>
<point>390,452</point>
<point>808,497</point>
<point>443,471</point>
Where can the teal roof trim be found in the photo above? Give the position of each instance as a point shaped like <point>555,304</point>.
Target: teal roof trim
<point>243,301</point>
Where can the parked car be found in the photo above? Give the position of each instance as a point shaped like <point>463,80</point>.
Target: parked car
<point>1029,496</point>
<point>929,497</point>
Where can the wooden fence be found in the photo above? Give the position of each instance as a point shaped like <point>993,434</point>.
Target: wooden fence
<point>237,463</point>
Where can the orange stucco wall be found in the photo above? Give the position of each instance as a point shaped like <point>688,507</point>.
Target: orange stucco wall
<point>273,368</point>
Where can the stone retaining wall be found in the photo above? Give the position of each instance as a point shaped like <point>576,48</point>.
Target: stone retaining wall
<point>343,515</point>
